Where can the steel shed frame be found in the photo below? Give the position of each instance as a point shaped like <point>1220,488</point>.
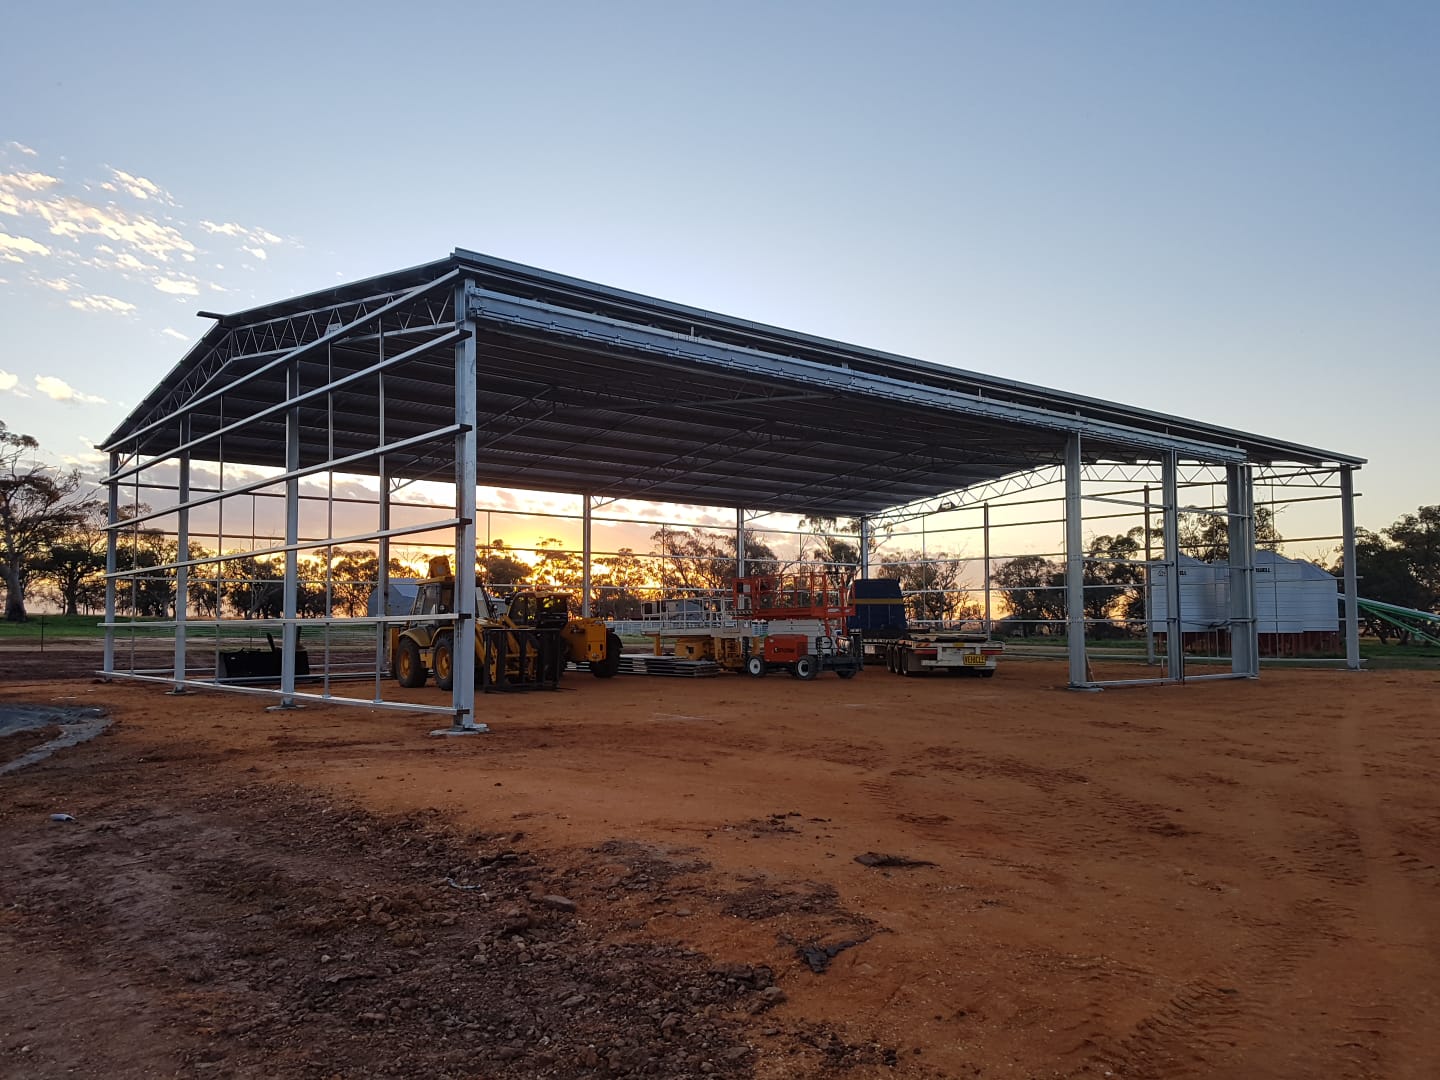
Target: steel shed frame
<point>476,370</point>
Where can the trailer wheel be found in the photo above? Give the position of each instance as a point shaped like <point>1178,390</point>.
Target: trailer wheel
<point>443,658</point>
<point>409,671</point>
<point>755,666</point>
<point>610,666</point>
<point>807,667</point>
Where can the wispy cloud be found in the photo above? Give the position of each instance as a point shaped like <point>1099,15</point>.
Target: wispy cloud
<point>99,302</point>
<point>18,246</point>
<point>67,216</point>
<point>253,241</point>
<point>8,380</point>
<point>115,240</point>
<point>139,187</point>
<point>29,181</point>
<point>87,458</point>
<point>59,390</point>
<point>171,332</point>
<point>240,232</point>
<point>177,286</point>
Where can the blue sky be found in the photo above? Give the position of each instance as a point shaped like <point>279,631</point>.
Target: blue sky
<point>1227,211</point>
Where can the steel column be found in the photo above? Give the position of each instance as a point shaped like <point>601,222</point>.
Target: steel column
<point>1352,580</point>
<point>466,450</point>
<point>1147,591</point>
<point>112,516</point>
<point>1075,563</point>
<point>290,634</point>
<point>382,559</point>
<point>585,524</point>
<point>1170,513</point>
<point>985,533</point>
<point>740,542</point>
<point>382,552</point>
<point>182,555</point>
<point>866,531</point>
<point>1240,505</point>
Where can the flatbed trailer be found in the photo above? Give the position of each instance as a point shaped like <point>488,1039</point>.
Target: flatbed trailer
<point>921,653</point>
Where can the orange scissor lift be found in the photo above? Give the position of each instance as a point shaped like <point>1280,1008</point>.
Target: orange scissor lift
<point>799,624</point>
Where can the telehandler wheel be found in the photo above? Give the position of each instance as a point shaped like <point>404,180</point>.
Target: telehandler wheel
<point>610,666</point>
<point>807,667</point>
<point>755,666</point>
<point>443,658</point>
<point>409,671</point>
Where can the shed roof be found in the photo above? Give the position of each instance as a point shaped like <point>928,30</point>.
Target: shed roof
<point>590,389</point>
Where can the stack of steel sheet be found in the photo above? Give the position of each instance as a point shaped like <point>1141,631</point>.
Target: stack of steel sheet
<point>645,664</point>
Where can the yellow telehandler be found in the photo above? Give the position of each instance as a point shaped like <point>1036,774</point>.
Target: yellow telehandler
<point>522,641</point>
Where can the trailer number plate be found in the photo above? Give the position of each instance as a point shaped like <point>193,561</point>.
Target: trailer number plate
<point>975,660</point>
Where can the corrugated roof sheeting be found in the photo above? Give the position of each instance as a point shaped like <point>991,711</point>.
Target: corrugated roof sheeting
<point>583,388</point>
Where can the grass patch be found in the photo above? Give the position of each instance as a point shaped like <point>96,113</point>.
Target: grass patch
<point>52,626</point>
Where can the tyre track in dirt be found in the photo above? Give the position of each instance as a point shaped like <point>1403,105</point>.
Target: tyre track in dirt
<point>1208,1025</point>
<point>1184,882</point>
<point>1398,921</point>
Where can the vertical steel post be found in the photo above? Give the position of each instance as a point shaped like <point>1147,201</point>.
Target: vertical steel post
<point>219,580</point>
<point>925,578</point>
<point>1352,581</point>
<point>466,453</point>
<point>1170,513</point>
<point>182,554</point>
<point>1240,535</point>
<point>739,541</point>
<point>290,632</point>
<point>867,530</point>
<point>112,518</point>
<point>382,561</point>
<point>1075,563</point>
<point>382,523</point>
<point>985,533</point>
<point>1147,592</point>
<point>585,524</point>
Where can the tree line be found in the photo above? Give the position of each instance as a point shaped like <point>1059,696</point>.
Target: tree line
<point>1398,565</point>
<point>52,536</point>
<point>1033,587</point>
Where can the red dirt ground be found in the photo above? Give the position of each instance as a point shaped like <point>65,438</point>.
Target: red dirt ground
<point>1227,879</point>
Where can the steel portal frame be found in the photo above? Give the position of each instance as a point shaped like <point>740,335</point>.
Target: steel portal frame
<point>484,371</point>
